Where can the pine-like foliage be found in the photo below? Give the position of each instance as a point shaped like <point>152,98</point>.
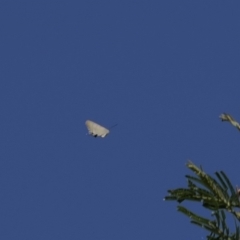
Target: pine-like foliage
<point>216,194</point>
<point>229,118</point>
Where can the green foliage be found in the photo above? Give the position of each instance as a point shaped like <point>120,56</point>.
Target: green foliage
<point>216,194</point>
<point>229,118</point>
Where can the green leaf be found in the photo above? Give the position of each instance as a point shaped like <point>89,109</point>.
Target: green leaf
<point>221,180</point>
<point>193,216</point>
<point>230,186</point>
<point>209,182</point>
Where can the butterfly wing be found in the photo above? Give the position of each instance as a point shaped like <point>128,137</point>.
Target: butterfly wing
<point>96,130</point>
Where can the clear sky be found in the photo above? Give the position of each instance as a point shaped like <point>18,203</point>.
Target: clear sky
<point>163,70</point>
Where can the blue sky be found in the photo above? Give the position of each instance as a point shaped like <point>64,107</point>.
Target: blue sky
<point>163,70</point>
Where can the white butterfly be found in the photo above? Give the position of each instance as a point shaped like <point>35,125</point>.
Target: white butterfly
<point>96,130</point>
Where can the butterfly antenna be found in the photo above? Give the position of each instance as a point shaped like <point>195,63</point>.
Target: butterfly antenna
<point>113,126</point>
